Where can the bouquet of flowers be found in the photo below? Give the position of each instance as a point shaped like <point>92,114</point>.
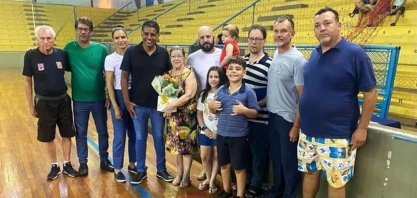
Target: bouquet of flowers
<point>167,89</point>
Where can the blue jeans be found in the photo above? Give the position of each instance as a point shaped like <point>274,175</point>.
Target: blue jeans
<point>258,140</point>
<point>283,155</point>
<point>81,116</point>
<point>121,128</point>
<point>143,114</point>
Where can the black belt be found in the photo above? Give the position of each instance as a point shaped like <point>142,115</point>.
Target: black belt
<point>51,97</point>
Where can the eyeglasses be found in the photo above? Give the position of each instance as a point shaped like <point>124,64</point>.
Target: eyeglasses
<point>83,29</point>
<point>174,57</point>
<point>256,40</point>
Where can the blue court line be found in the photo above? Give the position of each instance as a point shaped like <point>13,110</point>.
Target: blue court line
<point>138,188</point>
<point>404,139</point>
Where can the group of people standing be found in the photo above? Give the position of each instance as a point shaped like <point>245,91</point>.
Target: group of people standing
<point>44,69</point>
<point>303,115</point>
<point>91,70</point>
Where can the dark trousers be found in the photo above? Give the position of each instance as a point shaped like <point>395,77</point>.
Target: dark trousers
<point>258,141</point>
<point>283,155</point>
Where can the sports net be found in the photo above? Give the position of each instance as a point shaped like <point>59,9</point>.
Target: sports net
<point>367,28</point>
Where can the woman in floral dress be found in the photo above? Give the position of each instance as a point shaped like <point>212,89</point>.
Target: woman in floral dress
<point>182,135</point>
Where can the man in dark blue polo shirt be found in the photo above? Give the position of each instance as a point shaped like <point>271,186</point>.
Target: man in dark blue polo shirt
<point>329,111</point>
<point>143,62</point>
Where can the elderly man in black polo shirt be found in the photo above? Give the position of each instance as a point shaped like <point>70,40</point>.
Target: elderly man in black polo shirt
<point>143,62</point>
<point>45,67</point>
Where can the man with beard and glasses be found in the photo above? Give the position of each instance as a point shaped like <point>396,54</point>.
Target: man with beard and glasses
<point>206,57</point>
<point>88,92</point>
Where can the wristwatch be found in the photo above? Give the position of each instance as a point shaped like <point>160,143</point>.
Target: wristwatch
<point>203,128</point>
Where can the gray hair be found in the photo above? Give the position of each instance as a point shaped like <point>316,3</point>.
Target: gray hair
<point>177,48</point>
<point>44,28</point>
<point>283,18</point>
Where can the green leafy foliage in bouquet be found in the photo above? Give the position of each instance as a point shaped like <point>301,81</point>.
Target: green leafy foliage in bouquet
<point>166,85</point>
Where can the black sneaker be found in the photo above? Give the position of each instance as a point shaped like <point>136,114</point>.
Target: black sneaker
<point>106,165</point>
<point>138,178</point>
<point>69,170</point>
<point>120,177</point>
<point>224,194</point>
<point>269,194</point>
<point>83,169</point>
<point>53,174</point>
<point>252,192</point>
<point>164,175</point>
<point>132,170</point>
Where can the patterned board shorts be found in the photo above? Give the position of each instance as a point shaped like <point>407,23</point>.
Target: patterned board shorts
<point>333,156</point>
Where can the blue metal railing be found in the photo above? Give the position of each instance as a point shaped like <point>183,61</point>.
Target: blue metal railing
<point>384,59</point>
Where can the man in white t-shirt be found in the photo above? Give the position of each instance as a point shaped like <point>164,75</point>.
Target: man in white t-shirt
<point>206,57</point>
<point>202,59</point>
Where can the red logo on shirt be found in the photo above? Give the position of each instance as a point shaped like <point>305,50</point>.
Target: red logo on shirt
<point>41,67</point>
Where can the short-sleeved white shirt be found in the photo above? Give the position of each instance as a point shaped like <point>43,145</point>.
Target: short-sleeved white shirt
<point>112,63</point>
<point>210,119</point>
<point>201,63</point>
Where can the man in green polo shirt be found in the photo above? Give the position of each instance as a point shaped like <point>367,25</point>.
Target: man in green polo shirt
<point>88,92</point>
